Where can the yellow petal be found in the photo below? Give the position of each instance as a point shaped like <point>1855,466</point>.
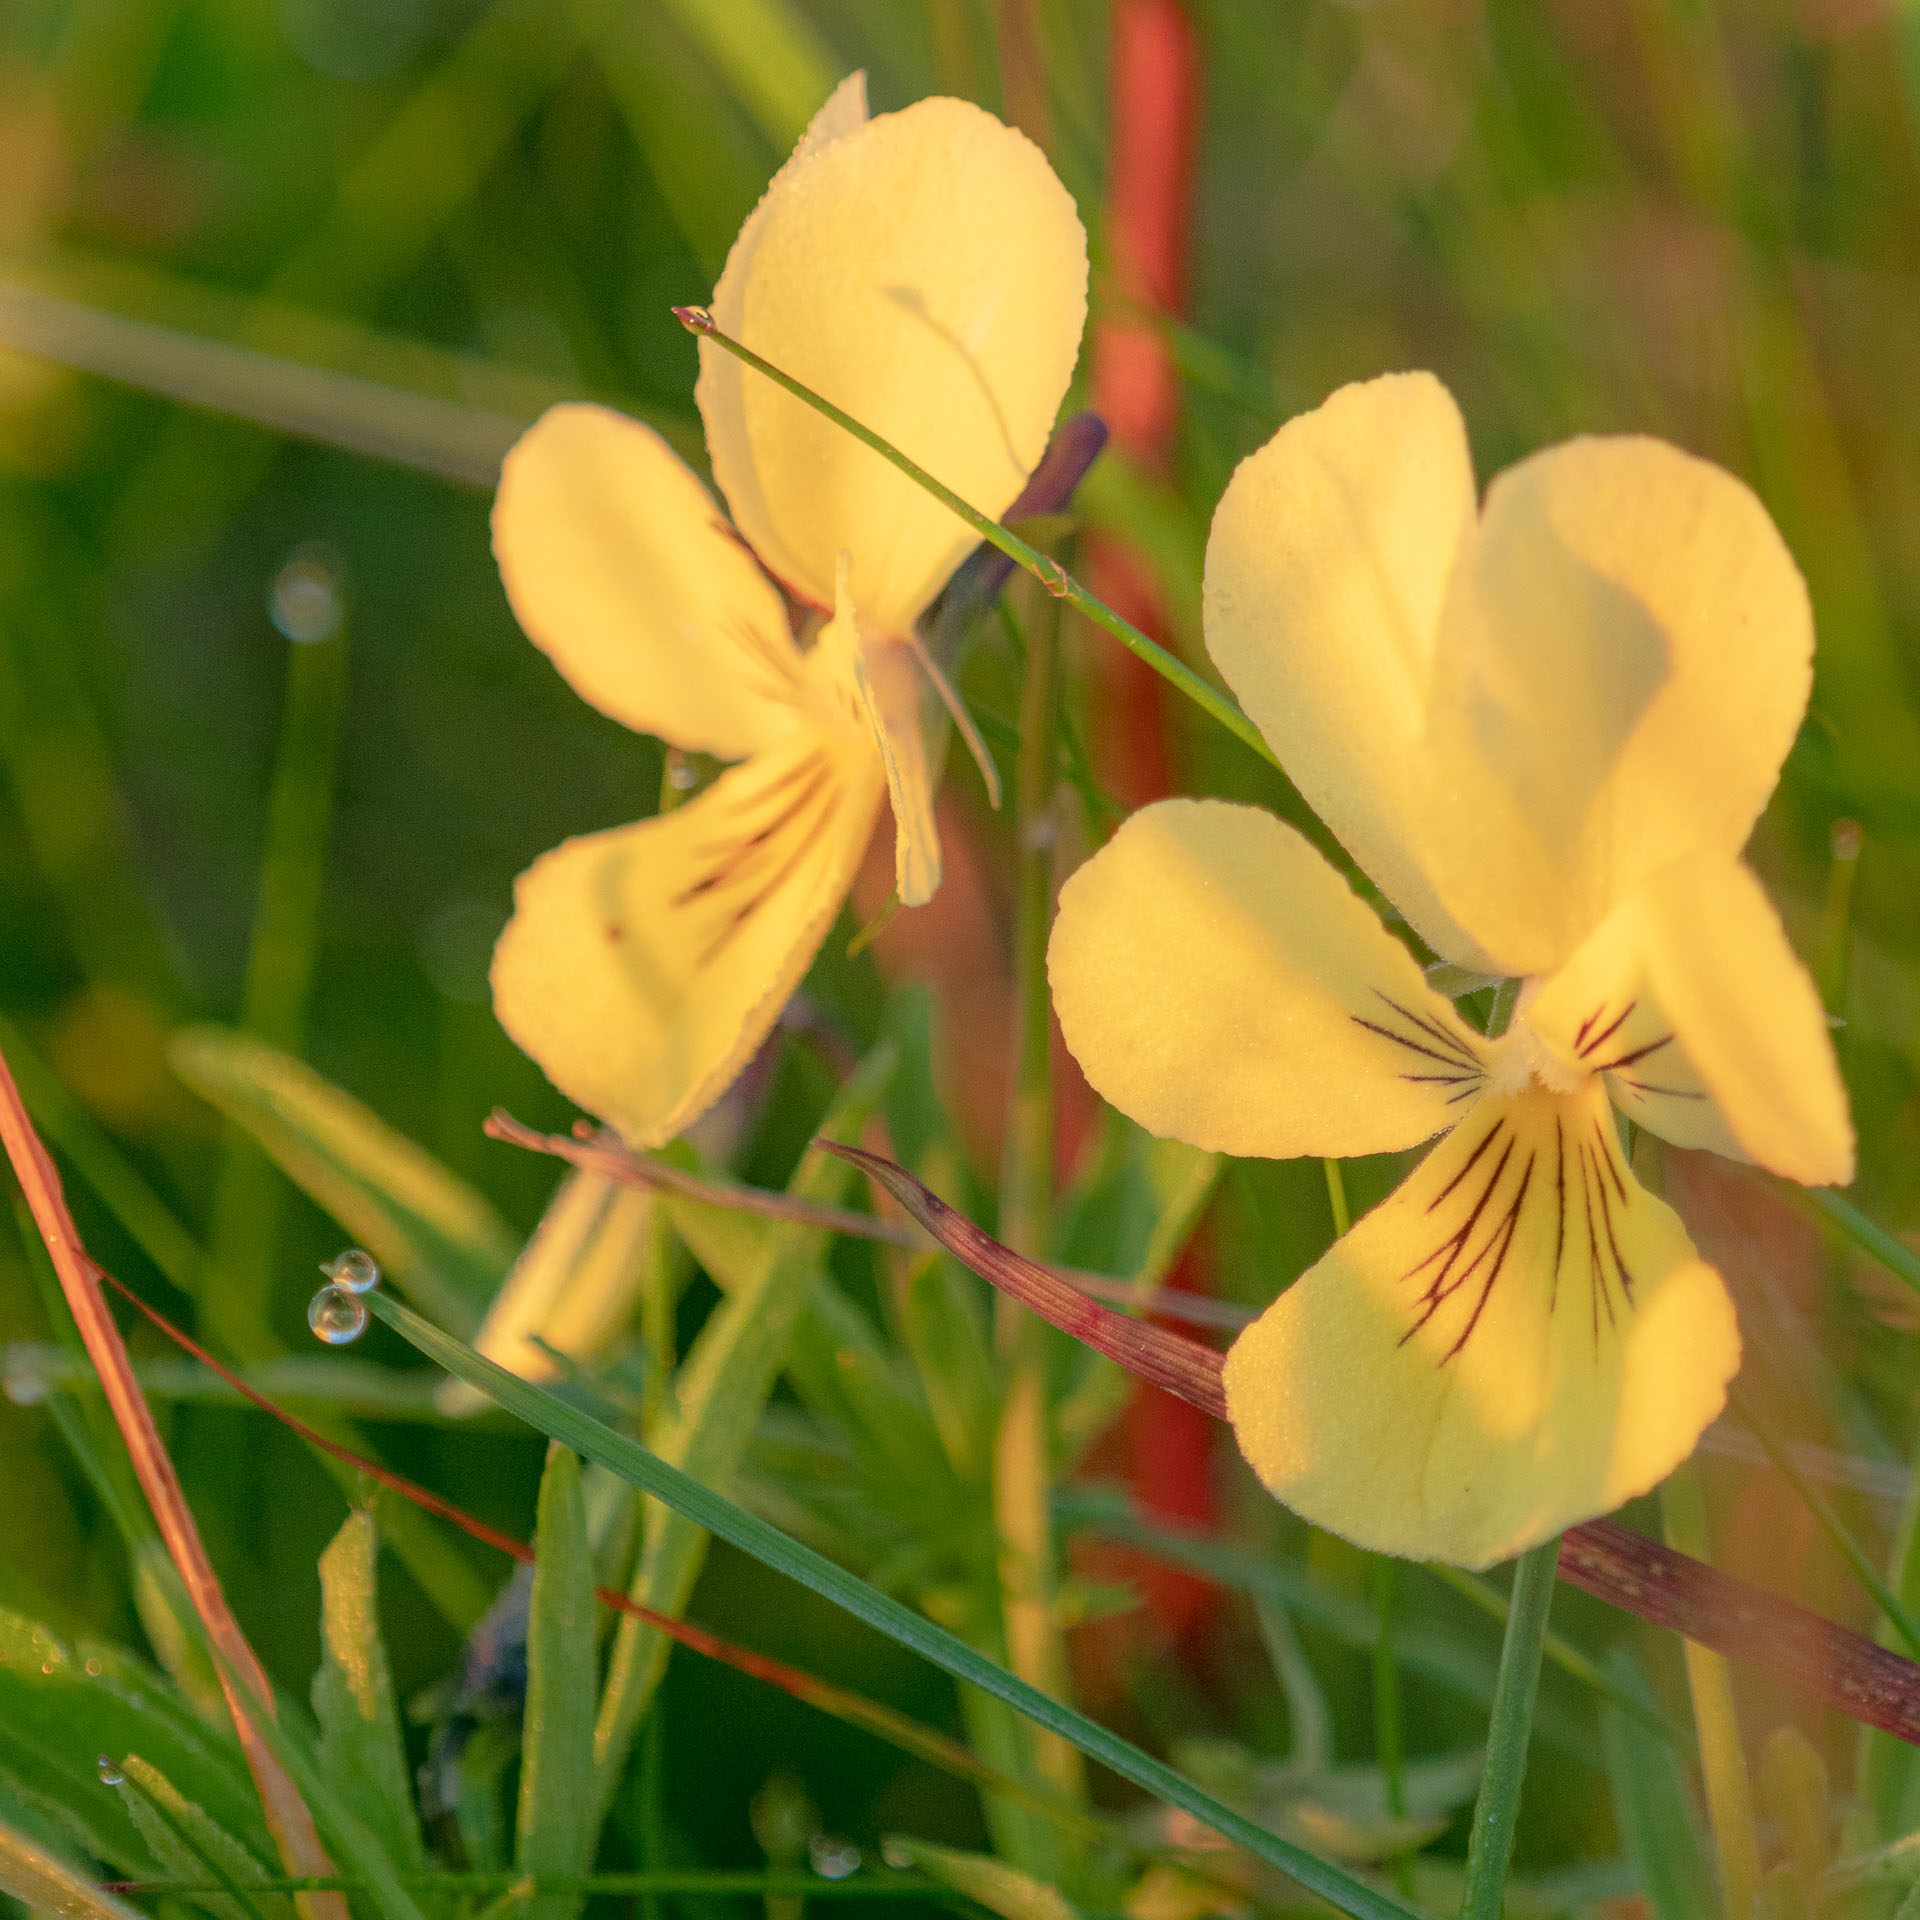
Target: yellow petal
<point>1517,1339</point>
<point>1707,1029</point>
<point>926,272</point>
<point>883,676</point>
<point>1326,572</point>
<point>1222,985</point>
<point>1623,664</point>
<point>573,1286</point>
<point>626,575</point>
<point>643,966</point>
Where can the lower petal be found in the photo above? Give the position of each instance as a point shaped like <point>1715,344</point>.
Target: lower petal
<point>643,966</point>
<point>1519,1338</point>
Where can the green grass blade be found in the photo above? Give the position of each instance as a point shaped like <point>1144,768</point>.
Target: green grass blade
<point>1869,1236</point>
<point>557,1828</point>
<point>188,1844</point>
<point>723,1386</point>
<point>44,1883</point>
<point>771,58</point>
<point>987,1881</point>
<point>1650,1804</point>
<point>774,1549</point>
<point>362,1753</point>
<point>433,1234</point>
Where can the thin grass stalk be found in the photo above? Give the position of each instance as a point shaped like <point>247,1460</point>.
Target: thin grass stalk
<point>1723,1760</point>
<point>1022,1462</point>
<point>1389,1736</point>
<point>285,1809</point>
<point>1497,1810</point>
<point>1049,572</point>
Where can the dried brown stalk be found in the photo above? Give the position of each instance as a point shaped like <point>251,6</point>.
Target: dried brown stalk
<point>287,1814</point>
<point>1640,1576</point>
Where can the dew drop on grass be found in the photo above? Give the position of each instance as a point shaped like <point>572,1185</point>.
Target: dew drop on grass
<point>337,1316</point>
<point>832,1857</point>
<point>356,1270</point>
<point>110,1773</point>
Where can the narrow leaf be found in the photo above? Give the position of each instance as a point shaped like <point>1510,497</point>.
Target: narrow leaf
<point>1650,1805</point>
<point>44,1883</point>
<point>989,1882</point>
<point>557,1825</point>
<point>435,1236</point>
<point>193,1848</point>
<point>362,1754</point>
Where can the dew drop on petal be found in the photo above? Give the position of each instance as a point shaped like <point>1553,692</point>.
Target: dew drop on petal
<point>832,1857</point>
<point>337,1316</point>
<point>111,1775</point>
<point>356,1270</point>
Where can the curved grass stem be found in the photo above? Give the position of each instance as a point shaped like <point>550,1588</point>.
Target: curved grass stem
<point>1049,572</point>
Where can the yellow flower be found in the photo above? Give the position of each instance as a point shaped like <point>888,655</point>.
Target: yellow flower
<point>1545,728</point>
<point>926,271</point>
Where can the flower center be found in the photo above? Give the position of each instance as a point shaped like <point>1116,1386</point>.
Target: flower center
<point>1520,1059</point>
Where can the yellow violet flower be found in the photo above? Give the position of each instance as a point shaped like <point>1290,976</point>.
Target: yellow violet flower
<point>927,272</point>
<point>1544,726</point>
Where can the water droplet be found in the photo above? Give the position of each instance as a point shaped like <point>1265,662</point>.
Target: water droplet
<point>93,1668</point>
<point>832,1857</point>
<point>682,775</point>
<point>337,1316</point>
<point>305,601</point>
<point>356,1270</point>
<point>896,1853</point>
<point>111,1774</point>
<point>24,1380</point>
<point>1845,836</point>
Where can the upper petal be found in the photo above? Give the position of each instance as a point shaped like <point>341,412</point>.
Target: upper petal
<point>926,272</point>
<point>643,966</point>
<point>1708,1029</point>
<point>1326,572</point>
<point>1517,1339</point>
<point>626,575</point>
<point>1623,662</point>
<point>1222,985</point>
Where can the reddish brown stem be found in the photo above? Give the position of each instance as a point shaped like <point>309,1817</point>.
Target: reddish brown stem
<point>286,1811</point>
<point>1640,1576</point>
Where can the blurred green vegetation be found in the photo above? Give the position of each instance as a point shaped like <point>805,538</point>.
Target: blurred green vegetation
<point>1666,216</point>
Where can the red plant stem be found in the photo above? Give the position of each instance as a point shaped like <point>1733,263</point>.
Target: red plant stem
<point>1640,1576</point>
<point>287,1814</point>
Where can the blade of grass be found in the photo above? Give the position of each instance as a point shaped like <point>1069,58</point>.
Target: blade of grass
<point>1869,1236</point>
<point>1650,1804</point>
<point>44,1883</point>
<point>770,56</point>
<point>286,1810</point>
<point>1723,1759</point>
<point>1046,570</point>
<point>557,1832</point>
<point>1497,1810</point>
<point>774,1549</point>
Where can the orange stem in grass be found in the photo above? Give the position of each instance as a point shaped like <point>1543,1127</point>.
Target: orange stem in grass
<point>286,1812</point>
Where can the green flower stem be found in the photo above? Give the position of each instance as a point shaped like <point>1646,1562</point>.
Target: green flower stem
<point>1022,1463</point>
<point>1723,1761</point>
<point>1337,1199</point>
<point>1498,1806</point>
<point>1049,572</point>
<point>1816,1503</point>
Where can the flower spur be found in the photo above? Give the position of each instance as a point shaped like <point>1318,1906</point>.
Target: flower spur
<point>1544,729</point>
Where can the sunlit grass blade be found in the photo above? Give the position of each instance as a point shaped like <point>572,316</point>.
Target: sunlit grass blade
<point>459,443</point>
<point>770,56</point>
<point>1650,1803</point>
<point>1869,1236</point>
<point>1046,570</point>
<point>362,1752</point>
<point>187,1843</point>
<point>432,1233</point>
<point>557,1830</point>
<point>44,1883</point>
<point>721,1517</point>
<point>992,1883</point>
